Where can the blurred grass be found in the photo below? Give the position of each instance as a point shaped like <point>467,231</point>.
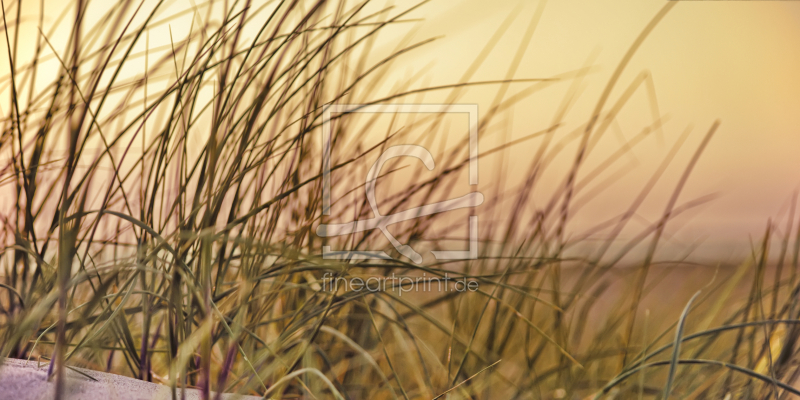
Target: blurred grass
<point>162,227</point>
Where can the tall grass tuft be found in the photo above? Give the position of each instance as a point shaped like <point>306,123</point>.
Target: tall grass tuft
<point>161,202</point>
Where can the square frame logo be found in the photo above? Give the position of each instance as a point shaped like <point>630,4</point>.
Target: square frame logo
<point>471,200</point>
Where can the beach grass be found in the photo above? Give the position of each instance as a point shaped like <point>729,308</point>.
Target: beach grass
<point>161,205</point>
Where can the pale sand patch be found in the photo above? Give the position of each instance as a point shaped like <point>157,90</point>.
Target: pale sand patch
<point>23,380</point>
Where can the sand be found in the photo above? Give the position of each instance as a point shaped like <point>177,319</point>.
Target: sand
<point>23,380</point>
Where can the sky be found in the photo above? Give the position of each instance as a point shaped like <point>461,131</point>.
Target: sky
<point>732,61</point>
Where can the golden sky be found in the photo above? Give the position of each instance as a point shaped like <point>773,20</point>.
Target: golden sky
<point>736,61</point>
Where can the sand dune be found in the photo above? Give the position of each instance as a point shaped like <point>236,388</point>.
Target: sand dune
<point>23,380</point>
